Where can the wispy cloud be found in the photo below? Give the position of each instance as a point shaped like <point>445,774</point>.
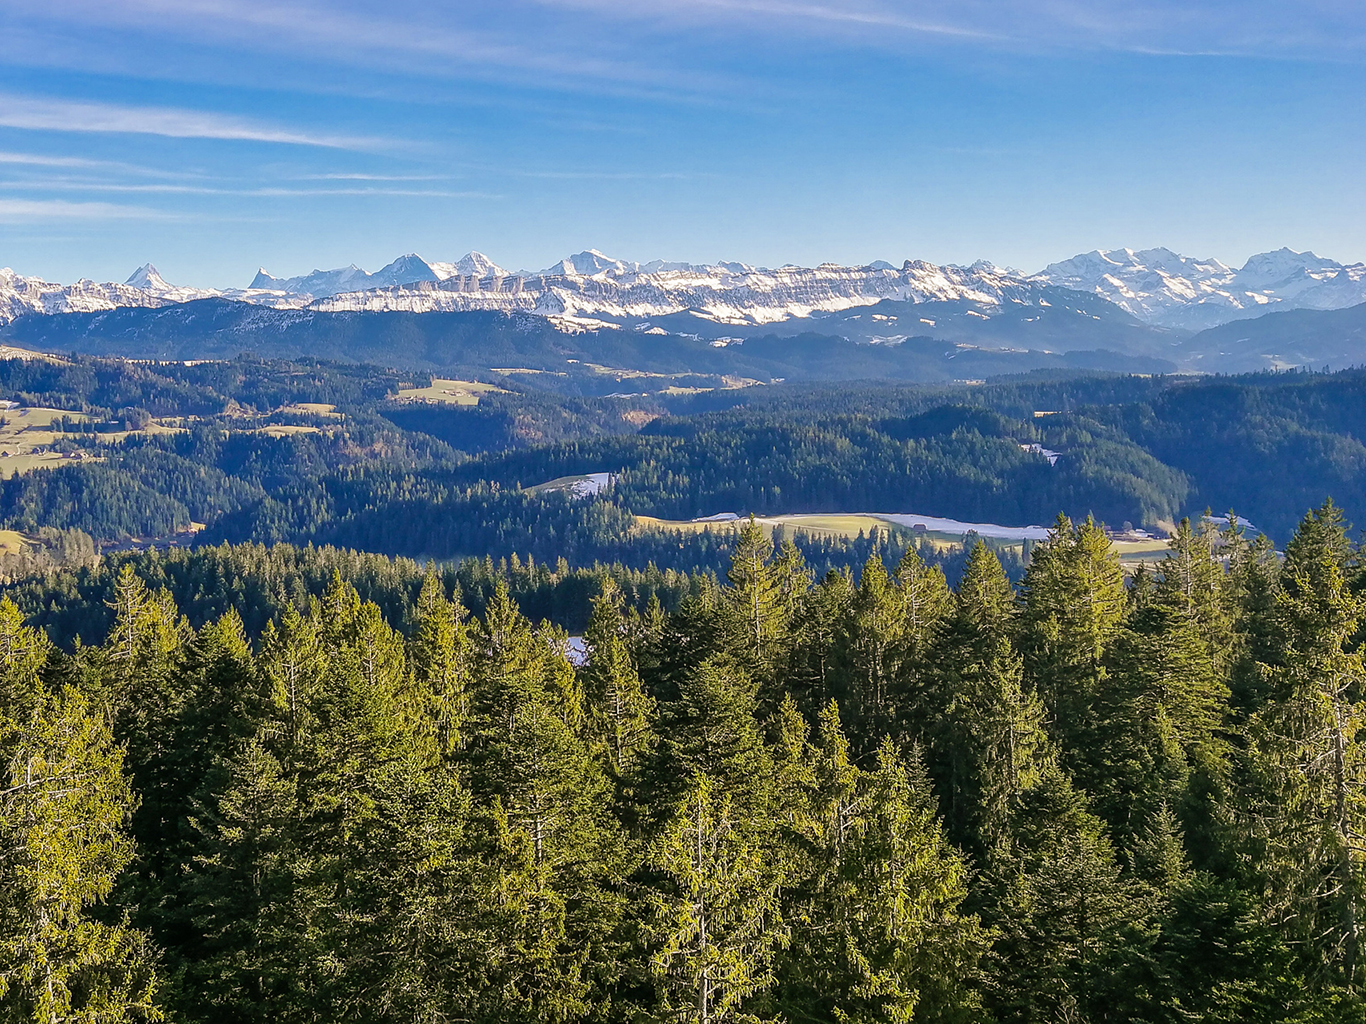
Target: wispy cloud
<point>613,175</point>
<point>847,13</point>
<point>20,210</point>
<point>44,114</point>
<point>1270,28</point>
<point>429,193</point>
<point>36,160</point>
<point>266,191</point>
<point>457,40</point>
<point>76,163</point>
<point>376,177</point>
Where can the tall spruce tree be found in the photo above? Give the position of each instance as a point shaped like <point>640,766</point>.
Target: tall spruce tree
<point>715,923</point>
<point>870,646</point>
<point>756,593</point>
<point>1195,586</point>
<point>620,712</point>
<point>1074,605</point>
<point>441,659</point>
<point>1159,720</point>
<point>925,603</point>
<point>554,856</point>
<point>249,961</point>
<point>64,808</point>
<point>1306,808</point>
<point>712,731</point>
<point>794,578</point>
<point>985,738</point>
<point>814,676</point>
<point>876,932</point>
<point>220,710</point>
<point>134,678</point>
<point>1063,911</point>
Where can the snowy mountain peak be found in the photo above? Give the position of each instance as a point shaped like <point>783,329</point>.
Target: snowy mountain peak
<point>1284,264</point>
<point>147,277</point>
<point>476,264</point>
<point>589,263</point>
<point>1164,288</point>
<point>407,269</point>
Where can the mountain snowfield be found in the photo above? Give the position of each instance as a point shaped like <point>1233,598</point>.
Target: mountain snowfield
<point>1156,286</point>
<point>1162,288</point>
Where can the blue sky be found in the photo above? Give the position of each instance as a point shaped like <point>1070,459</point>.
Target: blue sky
<point>213,136</point>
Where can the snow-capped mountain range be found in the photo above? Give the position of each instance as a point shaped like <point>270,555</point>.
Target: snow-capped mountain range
<point>1156,286</point>
<point>1162,288</point>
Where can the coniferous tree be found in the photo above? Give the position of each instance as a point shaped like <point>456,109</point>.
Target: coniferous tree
<point>1157,723</point>
<point>716,925</point>
<point>1064,912</point>
<point>756,593</point>
<point>621,713</point>
<point>1073,606</point>
<point>221,708</point>
<point>425,942</point>
<point>441,662</point>
<point>554,856</point>
<point>712,731</point>
<point>1306,805</point>
<point>925,603</point>
<point>793,788</point>
<point>985,740</point>
<point>256,932</point>
<point>1254,586</point>
<point>870,646</point>
<point>1195,586</point>
<point>794,578</point>
<point>134,677</point>
<point>64,807</point>
<point>814,674</point>
<point>241,896</point>
<point>876,932</point>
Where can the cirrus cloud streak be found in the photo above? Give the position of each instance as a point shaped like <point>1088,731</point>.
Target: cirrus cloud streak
<point>13,211</point>
<point>59,115</point>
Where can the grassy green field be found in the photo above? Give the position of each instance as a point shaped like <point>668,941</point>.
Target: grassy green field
<point>449,392</point>
<point>322,409</point>
<point>1133,553</point>
<point>12,464</point>
<point>283,429</point>
<point>27,429</point>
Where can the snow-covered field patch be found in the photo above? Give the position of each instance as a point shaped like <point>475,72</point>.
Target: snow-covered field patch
<point>585,485</point>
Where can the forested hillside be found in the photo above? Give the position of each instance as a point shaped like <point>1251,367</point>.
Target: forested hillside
<point>329,454</point>
<point>872,800</point>
<point>476,342</point>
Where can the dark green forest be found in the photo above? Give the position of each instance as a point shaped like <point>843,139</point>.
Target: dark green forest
<point>257,582</point>
<point>781,797</point>
<point>249,463</point>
